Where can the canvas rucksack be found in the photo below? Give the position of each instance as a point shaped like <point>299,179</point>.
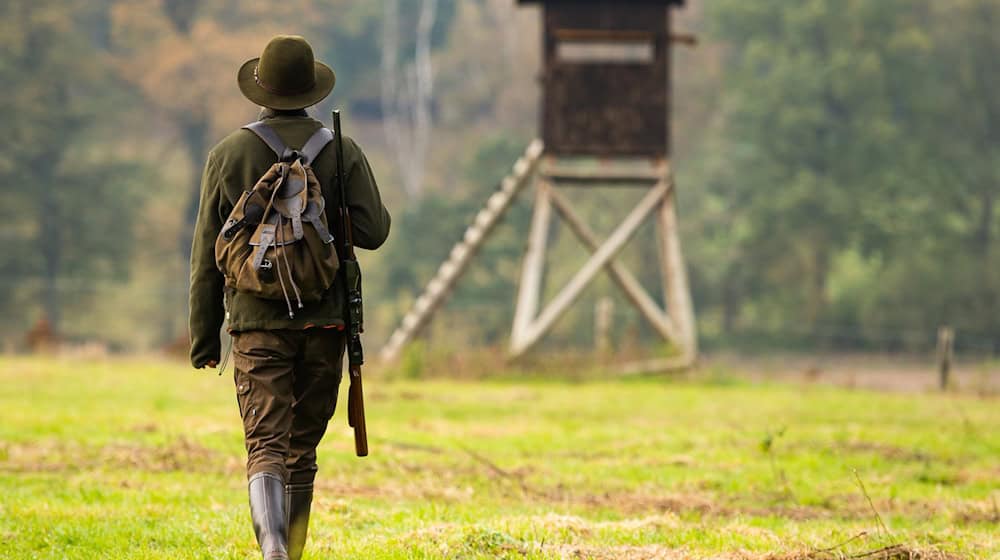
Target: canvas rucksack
<point>276,243</point>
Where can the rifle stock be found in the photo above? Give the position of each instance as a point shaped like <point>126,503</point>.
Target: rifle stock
<point>351,274</point>
<point>356,413</point>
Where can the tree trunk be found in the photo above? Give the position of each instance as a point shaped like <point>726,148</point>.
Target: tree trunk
<point>194,132</point>
<point>984,246</point>
<point>984,230</point>
<point>406,102</point>
<point>816,296</point>
<point>50,248</point>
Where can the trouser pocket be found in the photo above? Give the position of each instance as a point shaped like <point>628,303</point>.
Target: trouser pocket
<point>243,391</point>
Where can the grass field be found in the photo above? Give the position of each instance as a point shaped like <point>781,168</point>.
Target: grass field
<point>143,459</point>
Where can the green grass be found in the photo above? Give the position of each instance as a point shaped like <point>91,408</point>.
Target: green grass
<point>143,459</point>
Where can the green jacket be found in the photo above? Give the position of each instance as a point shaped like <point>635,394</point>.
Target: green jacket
<point>235,164</point>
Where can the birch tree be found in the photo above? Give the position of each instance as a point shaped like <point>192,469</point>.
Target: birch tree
<point>407,94</point>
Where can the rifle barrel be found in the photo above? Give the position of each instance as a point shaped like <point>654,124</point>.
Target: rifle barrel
<point>351,275</point>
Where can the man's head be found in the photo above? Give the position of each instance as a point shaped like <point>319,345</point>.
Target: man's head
<point>286,75</point>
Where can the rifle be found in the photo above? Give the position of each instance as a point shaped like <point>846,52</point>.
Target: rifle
<point>353,306</point>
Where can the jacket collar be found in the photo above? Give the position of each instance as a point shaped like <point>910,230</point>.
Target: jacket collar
<point>268,113</point>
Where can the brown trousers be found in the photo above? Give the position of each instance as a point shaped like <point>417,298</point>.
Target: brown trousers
<point>286,387</point>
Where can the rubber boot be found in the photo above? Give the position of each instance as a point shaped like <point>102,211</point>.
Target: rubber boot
<point>298,503</point>
<point>267,510</point>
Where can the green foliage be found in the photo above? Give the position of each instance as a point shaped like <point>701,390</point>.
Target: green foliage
<point>837,164</point>
<point>69,208</point>
<point>856,182</point>
<point>412,365</point>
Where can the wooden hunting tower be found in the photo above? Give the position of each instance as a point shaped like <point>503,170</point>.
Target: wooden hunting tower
<point>606,76</point>
<point>605,120</point>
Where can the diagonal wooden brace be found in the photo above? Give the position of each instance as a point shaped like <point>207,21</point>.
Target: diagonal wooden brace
<point>602,255</point>
<point>634,291</point>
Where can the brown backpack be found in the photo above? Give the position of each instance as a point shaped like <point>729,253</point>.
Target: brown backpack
<point>276,243</point>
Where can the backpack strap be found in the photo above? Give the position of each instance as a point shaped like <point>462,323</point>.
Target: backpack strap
<point>268,135</point>
<point>309,151</point>
<point>315,144</point>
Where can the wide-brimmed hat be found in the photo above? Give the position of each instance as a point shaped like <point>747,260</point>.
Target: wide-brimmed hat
<point>286,75</point>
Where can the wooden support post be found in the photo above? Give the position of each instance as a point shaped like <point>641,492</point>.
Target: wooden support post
<point>674,274</point>
<point>533,267</point>
<point>603,318</point>
<point>945,352</point>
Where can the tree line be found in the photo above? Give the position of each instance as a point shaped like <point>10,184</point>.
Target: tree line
<point>836,160</point>
<point>850,176</point>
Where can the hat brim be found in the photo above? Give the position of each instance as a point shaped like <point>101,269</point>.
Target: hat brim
<point>325,80</point>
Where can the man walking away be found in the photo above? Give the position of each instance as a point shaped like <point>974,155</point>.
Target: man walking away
<point>264,258</point>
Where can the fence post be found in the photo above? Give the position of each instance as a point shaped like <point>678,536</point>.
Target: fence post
<point>945,351</point>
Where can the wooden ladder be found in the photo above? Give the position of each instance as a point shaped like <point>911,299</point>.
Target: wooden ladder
<point>444,280</point>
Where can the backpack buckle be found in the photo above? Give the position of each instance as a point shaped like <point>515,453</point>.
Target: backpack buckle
<point>290,155</point>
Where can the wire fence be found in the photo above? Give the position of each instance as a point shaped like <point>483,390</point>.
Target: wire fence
<point>485,321</point>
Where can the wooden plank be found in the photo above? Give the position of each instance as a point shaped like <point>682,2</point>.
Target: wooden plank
<point>603,35</point>
<point>674,274</point>
<point>597,261</point>
<point>634,291</point>
<point>593,181</point>
<point>635,171</point>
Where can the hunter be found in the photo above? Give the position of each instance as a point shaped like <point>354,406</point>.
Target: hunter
<point>287,348</point>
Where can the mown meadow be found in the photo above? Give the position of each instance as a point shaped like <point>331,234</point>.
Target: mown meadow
<point>142,458</point>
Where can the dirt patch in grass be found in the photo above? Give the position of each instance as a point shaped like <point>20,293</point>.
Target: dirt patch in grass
<point>632,503</point>
<point>455,482</point>
<point>456,540</point>
<point>843,507</point>
<point>648,552</point>
<point>887,451</point>
<point>891,552</point>
<point>450,478</point>
<point>181,454</point>
<point>980,512</point>
<point>584,527</point>
<point>657,552</point>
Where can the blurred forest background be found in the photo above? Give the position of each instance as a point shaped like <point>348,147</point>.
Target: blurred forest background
<point>837,163</point>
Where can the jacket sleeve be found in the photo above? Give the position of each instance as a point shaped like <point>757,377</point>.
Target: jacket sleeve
<point>370,220</point>
<point>207,309</point>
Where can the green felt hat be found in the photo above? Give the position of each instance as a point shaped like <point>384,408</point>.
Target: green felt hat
<point>286,75</point>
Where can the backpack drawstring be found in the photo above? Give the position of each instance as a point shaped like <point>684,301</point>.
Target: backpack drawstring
<point>277,264</point>
<point>288,267</point>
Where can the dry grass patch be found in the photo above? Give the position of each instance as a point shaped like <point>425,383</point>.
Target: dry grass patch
<point>891,552</point>
<point>53,456</point>
<point>657,552</point>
